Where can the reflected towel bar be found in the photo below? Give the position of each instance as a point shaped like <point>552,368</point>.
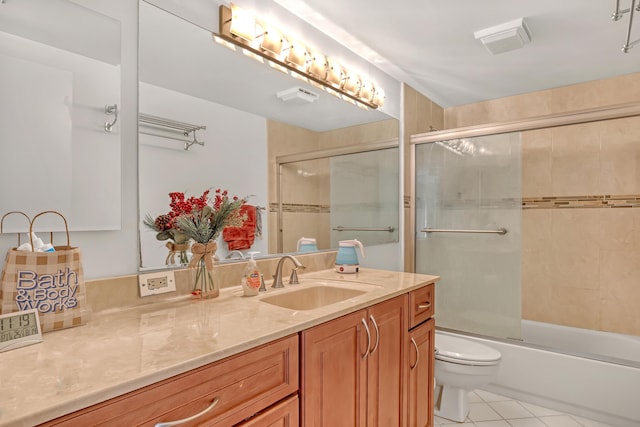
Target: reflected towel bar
<point>341,228</point>
<point>159,122</point>
<point>500,231</point>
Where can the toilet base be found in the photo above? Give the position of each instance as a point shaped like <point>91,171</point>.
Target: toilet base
<point>452,403</point>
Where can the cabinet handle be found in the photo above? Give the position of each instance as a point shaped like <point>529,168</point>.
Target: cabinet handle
<point>375,325</point>
<point>366,328</point>
<point>214,402</point>
<point>424,305</point>
<point>415,345</point>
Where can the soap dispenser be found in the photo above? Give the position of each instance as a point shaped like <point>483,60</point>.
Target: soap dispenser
<point>252,277</point>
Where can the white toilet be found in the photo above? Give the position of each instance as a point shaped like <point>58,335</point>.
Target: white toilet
<point>462,365</point>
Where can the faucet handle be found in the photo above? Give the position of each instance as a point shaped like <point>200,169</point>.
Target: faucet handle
<point>293,280</point>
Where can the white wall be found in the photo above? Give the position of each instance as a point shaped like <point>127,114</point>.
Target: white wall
<point>52,125</point>
<point>233,158</point>
<point>113,253</point>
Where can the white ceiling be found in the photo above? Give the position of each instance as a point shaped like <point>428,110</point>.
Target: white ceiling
<point>430,43</point>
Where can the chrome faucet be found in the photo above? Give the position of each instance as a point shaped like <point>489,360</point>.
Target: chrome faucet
<point>293,280</point>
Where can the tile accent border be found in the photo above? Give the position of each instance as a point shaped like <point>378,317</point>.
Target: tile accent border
<point>300,208</point>
<point>573,202</point>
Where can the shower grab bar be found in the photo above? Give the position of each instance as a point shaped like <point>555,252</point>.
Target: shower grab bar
<point>341,228</point>
<point>500,231</point>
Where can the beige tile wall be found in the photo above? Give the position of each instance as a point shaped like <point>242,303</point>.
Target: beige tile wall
<point>117,293</point>
<point>581,222</point>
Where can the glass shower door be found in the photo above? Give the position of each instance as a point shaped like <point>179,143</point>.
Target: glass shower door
<point>467,191</point>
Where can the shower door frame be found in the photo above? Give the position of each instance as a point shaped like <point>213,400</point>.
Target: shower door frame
<point>617,111</point>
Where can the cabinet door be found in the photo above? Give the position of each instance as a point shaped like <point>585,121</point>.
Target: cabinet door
<point>283,414</point>
<point>420,345</point>
<point>333,380</point>
<point>387,322</point>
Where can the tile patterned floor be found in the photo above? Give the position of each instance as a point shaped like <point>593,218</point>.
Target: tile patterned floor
<point>492,410</point>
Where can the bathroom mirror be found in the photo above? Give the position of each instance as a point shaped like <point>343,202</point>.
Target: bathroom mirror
<point>59,77</point>
<point>186,76</point>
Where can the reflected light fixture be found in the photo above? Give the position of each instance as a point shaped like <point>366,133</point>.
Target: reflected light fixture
<point>241,28</point>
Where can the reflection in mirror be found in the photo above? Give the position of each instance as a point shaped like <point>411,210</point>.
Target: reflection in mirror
<point>185,76</point>
<point>58,75</point>
<point>340,197</point>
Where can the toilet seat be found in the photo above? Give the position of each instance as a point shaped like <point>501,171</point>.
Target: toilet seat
<point>465,352</point>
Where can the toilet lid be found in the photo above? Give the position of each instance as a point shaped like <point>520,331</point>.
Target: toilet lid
<point>464,351</point>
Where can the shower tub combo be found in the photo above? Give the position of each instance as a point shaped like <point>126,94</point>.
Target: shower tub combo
<point>588,373</point>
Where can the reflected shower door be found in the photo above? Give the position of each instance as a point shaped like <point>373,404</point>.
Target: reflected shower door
<point>364,197</point>
<point>357,193</point>
<point>304,196</point>
<point>462,186</point>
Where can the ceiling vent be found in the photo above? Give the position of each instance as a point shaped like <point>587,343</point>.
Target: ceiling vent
<point>297,95</point>
<point>504,37</point>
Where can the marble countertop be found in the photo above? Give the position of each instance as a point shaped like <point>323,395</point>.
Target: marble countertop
<point>119,351</point>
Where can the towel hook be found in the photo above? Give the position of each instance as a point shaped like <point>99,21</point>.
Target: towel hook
<point>111,109</point>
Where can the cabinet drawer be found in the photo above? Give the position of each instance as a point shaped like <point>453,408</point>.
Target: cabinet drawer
<point>283,414</point>
<point>244,384</point>
<point>421,303</point>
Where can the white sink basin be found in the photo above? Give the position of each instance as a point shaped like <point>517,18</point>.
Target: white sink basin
<point>312,297</point>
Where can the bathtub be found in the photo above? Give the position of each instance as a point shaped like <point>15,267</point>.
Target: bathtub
<point>606,390</point>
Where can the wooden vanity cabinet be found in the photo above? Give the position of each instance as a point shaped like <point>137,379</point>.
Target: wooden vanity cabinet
<point>419,368</point>
<point>245,384</point>
<point>373,368</point>
<point>352,368</point>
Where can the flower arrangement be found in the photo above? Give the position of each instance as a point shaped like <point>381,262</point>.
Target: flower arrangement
<point>203,224</point>
<point>166,227</point>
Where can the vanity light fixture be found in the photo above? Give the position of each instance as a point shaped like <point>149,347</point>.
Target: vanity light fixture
<point>239,27</point>
<point>366,91</point>
<point>243,24</point>
<point>334,73</point>
<point>352,83</point>
<point>297,54</point>
<point>318,66</point>
<point>271,41</point>
<point>378,96</point>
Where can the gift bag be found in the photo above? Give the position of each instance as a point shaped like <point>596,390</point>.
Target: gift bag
<point>52,282</point>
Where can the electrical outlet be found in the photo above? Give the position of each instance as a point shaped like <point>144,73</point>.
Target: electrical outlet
<point>156,283</point>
